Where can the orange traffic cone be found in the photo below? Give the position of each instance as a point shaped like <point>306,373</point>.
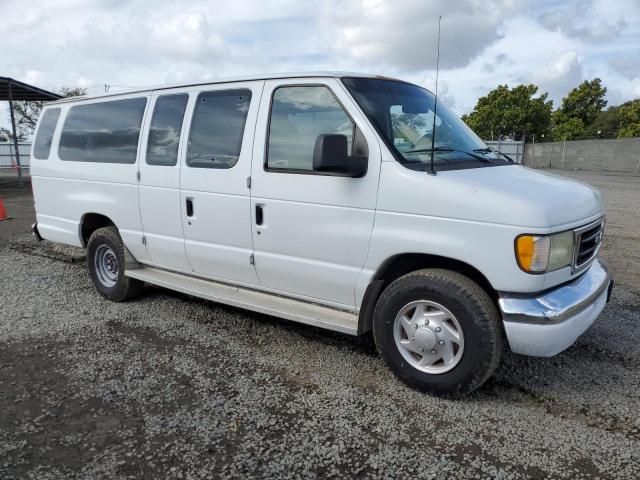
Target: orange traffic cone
<point>3,212</point>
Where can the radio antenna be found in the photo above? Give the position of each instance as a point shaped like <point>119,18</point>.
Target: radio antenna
<point>432,170</point>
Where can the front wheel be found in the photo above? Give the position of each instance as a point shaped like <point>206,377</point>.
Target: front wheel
<point>438,331</point>
<point>105,259</point>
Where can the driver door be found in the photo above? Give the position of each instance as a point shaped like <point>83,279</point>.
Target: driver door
<point>310,230</point>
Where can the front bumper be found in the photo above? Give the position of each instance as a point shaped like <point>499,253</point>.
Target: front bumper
<point>546,324</point>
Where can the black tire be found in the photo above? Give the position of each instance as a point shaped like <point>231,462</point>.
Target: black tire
<point>119,288</point>
<point>476,314</point>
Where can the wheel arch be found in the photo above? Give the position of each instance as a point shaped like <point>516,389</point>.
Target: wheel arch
<point>90,222</point>
<point>398,265</point>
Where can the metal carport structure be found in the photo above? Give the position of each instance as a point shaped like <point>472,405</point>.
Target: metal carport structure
<point>12,90</point>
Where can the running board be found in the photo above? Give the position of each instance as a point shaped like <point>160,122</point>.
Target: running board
<point>291,309</point>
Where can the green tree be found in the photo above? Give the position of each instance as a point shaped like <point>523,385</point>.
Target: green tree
<point>629,120</point>
<point>579,111</point>
<point>585,101</point>
<point>607,123</point>
<point>566,128</point>
<point>513,113</point>
<point>27,113</point>
<point>5,135</point>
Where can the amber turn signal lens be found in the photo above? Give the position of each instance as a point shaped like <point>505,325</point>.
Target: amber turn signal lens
<point>524,251</point>
<point>532,252</point>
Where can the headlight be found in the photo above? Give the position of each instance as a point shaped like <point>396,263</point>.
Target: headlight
<point>544,253</point>
<point>561,253</point>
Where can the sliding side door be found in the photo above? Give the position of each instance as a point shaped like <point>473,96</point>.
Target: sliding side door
<point>215,201</point>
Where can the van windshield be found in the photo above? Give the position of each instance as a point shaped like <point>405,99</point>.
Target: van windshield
<point>403,115</point>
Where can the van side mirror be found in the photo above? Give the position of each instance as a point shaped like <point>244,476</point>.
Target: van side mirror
<point>331,155</point>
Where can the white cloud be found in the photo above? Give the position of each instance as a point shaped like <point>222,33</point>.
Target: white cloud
<point>444,94</point>
<point>30,17</point>
<point>185,35</point>
<point>591,20</point>
<point>627,65</point>
<point>561,74</point>
<point>32,76</point>
<point>403,33</point>
<point>501,60</point>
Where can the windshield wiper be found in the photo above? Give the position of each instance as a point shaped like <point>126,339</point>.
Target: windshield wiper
<point>448,149</point>
<point>491,150</point>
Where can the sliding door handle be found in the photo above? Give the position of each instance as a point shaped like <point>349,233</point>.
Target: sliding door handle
<point>189,207</point>
<point>259,215</point>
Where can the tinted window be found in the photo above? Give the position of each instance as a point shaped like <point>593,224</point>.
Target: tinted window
<point>164,134</point>
<point>217,127</point>
<point>298,116</point>
<point>44,137</point>
<point>103,132</point>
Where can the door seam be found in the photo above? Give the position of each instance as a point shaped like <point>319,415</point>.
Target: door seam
<point>251,184</point>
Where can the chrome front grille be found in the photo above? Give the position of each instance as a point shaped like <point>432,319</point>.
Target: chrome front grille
<point>588,240</point>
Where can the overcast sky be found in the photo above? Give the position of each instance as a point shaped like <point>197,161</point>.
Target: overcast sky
<point>552,43</point>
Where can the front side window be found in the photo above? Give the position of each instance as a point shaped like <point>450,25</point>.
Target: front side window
<point>106,132</point>
<point>164,132</point>
<point>298,115</point>
<point>217,128</point>
<point>403,114</point>
<point>44,137</point>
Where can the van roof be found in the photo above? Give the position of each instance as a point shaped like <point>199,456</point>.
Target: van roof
<point>266,76</point>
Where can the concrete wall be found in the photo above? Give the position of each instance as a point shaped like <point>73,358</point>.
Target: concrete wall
<point>596,155</point>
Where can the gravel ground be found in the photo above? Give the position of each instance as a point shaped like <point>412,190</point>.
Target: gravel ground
<point>168,386</point>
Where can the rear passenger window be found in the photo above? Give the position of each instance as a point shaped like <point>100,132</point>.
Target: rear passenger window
<point>217,128</point>
<point>44,137</point>
<point>105,132</point>
<point>298,115</point>
<point>164,134</point>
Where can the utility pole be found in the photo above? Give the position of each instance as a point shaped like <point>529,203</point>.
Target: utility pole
<point>15,136</point>
<point>533,152</point>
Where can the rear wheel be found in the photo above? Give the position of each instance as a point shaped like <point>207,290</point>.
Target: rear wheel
<point>438,331</point>
<point>105,259</point>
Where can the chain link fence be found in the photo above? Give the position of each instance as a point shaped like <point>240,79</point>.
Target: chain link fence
<point>8,155</point>
<point>512,148</point>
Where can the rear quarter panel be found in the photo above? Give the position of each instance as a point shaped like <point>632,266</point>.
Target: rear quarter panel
<point>65,191</point>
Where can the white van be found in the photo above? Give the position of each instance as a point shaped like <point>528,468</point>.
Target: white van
<point>312,197</point>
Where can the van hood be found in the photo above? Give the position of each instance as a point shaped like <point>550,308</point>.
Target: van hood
<point>504,195</point>
<point>531,197</point>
